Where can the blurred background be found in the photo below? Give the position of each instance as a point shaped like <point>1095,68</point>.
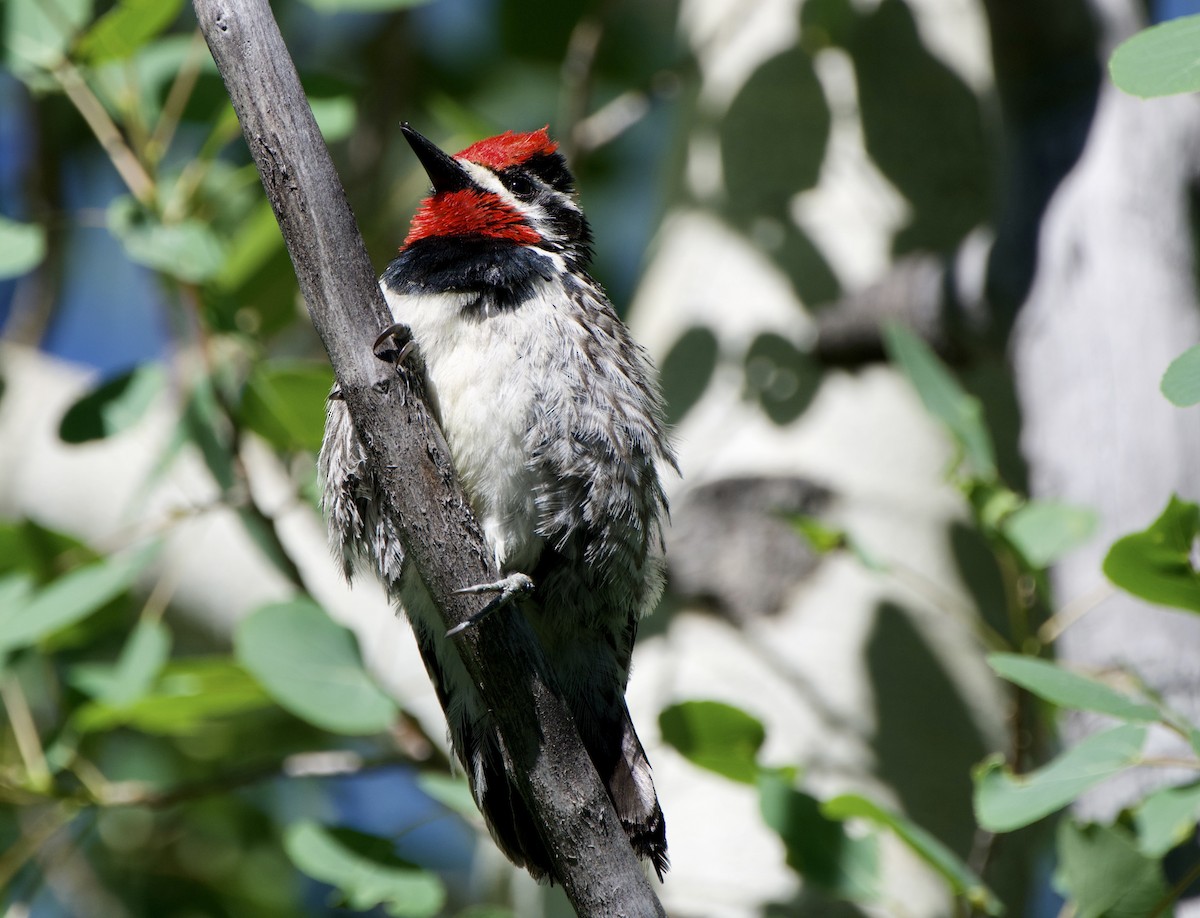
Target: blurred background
<point>911,271</point>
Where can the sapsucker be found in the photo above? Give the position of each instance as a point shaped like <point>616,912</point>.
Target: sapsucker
<point>555,425</point>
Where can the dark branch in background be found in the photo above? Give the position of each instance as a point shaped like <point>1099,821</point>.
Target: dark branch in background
<point>591,856</point>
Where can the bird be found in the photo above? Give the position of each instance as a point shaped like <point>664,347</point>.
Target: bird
<point>556,427</point>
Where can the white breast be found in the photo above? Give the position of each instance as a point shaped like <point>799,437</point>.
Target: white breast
<point>482,376</point>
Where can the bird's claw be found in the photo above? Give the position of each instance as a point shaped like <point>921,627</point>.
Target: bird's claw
<point>394,343</point>
<point>508,587</point>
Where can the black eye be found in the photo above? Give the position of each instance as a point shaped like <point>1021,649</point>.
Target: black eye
<point>520,185</point>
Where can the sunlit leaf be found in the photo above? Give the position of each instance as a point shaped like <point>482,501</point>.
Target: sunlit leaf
<point>1069,690</point>
<point>1159,61</point>
<point>1181,382</point>
<point>311,666</point>
<point>113,406</point>
<point>818,847</point>
<point>335,116</point>
<point>70,598</point>
<point>1004,801</point>
<point>188,250</point>
<point>125,28</point>
<point>1155,564</point>
<point>716,736</point>
<point>961,879</point>
<point>1167,818</point>
<point>1104,874</point>
<point>364,881</point>
<point>37,34</point>
<point>1043,531</point>
<point>188,694</point>
<point>943,397</point>
<point>284,402</point>
<point>22,247</point>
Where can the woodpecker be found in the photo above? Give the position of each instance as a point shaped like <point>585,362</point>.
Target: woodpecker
<point>555,425</point>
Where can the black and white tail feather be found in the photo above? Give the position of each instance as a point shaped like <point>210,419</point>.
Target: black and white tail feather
<point>555,425</point>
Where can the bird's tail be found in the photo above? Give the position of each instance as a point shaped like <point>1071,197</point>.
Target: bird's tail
<point>621,761</point>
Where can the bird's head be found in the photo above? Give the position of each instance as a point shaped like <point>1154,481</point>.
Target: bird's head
<point>510,190</point>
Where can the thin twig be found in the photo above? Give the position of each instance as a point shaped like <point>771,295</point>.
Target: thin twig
<point>1053,627</point>
<point>29,744</point>
<point>128,166</point>
<point>177,98</point>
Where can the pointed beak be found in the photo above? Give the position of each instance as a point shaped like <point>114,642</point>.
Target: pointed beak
<point>445,174</point>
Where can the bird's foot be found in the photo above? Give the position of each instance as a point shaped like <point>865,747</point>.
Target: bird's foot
<point>394,343</point>
<point>508,587</point>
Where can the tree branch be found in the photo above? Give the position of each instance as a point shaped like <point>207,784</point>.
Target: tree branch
<point>590,854</point>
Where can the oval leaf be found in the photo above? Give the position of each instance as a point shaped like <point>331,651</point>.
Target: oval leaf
<point>1067,689</point>
<point>1043,531</point>
<point>715,736</point>
<point>366,880</point>
<point>781,377</point>
<point>1159,61</point>
<point>311,666</point>
<point>284,402</point>
<point>22,247</point>
<point>1167,818</point>
<point>1105,875</point>
<point>1181,383</point>
<point>1004,801</point>
<point>125,28</point>
<point>1155,564</point>
<point>113,406</point>
<point>67,600</point>
<point>687,370</point>
<point>189,250</point>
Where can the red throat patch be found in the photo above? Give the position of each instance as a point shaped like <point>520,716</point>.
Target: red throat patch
<point>470,213</point>
<point>508,149</point>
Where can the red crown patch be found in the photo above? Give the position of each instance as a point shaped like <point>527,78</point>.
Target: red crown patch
<point>508,149</point>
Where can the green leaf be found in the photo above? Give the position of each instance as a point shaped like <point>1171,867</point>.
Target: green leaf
<point>1066,689</point>
<point>188,694</point>
<point>961,879</point>
<point>1004,801</point>
<point>38,34</point>
<point>943,398</point>
<point>1159,61</point>
<point>687,370</point>
<point>781,377</point>
<point>133,676</point>
<point>716,736</point>
<point>125,28</point>
<point>69,599</point>
<point>1181,383</point>
<point>821,537</point>
<point>113,406</point>
<point>188,250</point>
<point>1043,531</point>
<point>284,402</point>
<point>1155,564</point>
<point>256,239</point>
<point>335,116</point>
<point>205,425</point>
<point>311,666</point>
<point>454,793</point>
<point>1167,818</point>
<point>364,881</point>
<point>22,247</point>
<point>1104,874</point>
<point>818,847</point>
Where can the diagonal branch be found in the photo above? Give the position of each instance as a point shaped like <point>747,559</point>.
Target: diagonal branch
<point>591,856</point>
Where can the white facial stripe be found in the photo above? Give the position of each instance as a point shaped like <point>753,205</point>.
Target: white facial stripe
<point>534,214</point>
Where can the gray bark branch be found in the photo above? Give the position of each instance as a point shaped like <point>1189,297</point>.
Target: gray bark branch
<point>590,853</point>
